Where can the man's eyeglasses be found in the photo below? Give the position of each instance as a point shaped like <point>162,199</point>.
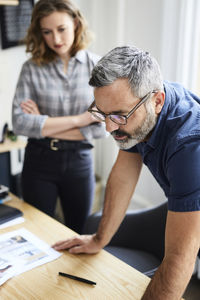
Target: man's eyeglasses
<point>117,118</point>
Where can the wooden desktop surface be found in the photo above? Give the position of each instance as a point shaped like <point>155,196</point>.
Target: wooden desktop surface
<point>115,279</point>
<point>9,145</point>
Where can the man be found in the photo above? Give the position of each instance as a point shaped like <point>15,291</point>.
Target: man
<point>157,124</point>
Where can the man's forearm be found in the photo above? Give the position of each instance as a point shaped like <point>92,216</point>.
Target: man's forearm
<point>114,210</point>
<point>120,186</point>
<point>170,280</point>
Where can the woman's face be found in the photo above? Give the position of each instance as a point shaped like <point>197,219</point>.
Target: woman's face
<point>58,32</point>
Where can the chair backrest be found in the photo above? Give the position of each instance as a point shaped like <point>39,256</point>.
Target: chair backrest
<point>143,230</point>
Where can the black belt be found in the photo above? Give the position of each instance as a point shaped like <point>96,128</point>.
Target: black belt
<point>56,144</point>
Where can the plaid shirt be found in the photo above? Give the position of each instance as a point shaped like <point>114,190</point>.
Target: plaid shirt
<point>56,94</point>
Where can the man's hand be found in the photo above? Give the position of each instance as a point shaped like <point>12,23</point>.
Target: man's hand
<point>30,107</point>
<point>80,244</point>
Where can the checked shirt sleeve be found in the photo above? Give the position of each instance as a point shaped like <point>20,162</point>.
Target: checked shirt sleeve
<point>26,124</point>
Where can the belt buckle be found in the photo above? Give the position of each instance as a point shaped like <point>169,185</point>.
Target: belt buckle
<point>54,148</point>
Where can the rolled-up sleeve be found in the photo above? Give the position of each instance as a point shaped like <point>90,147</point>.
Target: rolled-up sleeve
<point>26,124</point>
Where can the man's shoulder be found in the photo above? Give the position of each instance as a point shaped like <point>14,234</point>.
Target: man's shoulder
<point>179,91</point>
<point>181,113</point>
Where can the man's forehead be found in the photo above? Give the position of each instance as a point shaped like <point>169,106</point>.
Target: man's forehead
<point>119,87</point>
<point>116,97</point>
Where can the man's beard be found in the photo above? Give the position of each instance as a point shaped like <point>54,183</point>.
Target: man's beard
<point>140,133</point>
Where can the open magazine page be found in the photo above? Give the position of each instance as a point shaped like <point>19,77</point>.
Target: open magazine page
<point>20,251</point>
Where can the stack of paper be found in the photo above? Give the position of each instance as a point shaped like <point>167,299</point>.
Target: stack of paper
<point>21,251</point>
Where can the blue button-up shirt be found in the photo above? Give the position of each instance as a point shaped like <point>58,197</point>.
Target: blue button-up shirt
<point>172,153</point>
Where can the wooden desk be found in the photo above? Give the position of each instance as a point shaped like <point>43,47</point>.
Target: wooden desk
<point>115,279</point>
<point>9,145</point>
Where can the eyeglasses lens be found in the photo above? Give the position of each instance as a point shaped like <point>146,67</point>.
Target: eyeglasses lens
<point>121,120</point>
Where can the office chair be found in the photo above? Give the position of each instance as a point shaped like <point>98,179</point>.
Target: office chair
<point>139,240</point>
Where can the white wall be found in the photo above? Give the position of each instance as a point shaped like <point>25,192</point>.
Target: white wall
<point>117,22</point>
<point>154,25</point>
<point>180,42</point>
<point>10,64</point>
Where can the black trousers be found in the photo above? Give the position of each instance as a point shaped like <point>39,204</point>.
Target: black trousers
<point>67,174</point>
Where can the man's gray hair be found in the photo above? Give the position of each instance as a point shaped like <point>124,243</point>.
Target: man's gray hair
<point>139,67</point>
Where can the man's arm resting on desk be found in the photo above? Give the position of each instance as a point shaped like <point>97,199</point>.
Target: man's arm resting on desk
<point>120,187</point>
<point>182,243</point>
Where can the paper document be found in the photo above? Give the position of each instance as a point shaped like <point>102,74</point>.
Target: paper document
<point>20,251</point>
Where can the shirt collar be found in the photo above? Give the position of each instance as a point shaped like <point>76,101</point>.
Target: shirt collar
<point>158,129</point>
<point>80,56</point>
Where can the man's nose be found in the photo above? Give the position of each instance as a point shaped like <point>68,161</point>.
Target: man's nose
<point>110,125</point>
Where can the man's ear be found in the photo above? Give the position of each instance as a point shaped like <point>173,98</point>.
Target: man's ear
<point>159,101</point>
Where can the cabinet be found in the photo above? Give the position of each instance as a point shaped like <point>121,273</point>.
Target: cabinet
<point>11,162</point>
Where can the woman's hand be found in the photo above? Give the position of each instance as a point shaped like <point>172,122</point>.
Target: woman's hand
<point>85,119</point>
<point>30,107</point>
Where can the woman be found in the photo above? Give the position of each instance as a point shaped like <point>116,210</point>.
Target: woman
<point>50,108</point>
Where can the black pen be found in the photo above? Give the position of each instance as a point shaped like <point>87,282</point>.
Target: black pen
<point>77,278</point>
